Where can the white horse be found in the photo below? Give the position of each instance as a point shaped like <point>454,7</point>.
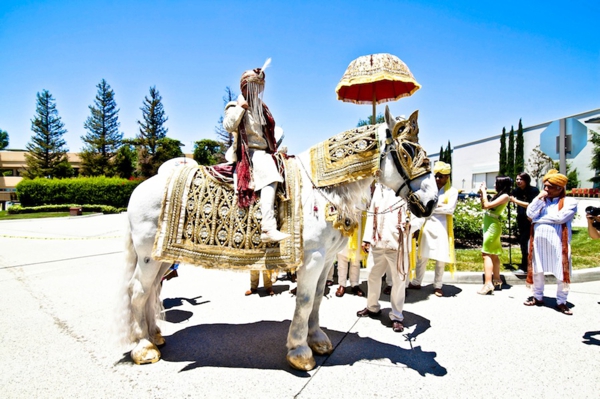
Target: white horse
<point>321,242</point>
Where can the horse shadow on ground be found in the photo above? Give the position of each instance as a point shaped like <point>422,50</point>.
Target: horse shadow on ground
<point>261,345</point>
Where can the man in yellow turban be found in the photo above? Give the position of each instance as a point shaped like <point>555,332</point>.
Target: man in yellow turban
<point>551,214</point>
<point>436,237</point>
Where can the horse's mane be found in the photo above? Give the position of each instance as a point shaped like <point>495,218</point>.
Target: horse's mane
<point>350,198</point>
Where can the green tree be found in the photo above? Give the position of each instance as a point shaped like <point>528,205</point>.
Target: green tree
<point>502,164</point>
<point>449,157</point>
<point>124,161</point>
<point>3,139</point>
<point>510,155</point>
<point>595,163</point>
<point>206,152</point>
<point>152,130</point>
<point>572,179</point>
<point>369,121</point>
<point>47,151</point>
<point>103,138</point>
<point>166,148</point>
<point>519,151</point>
<point>442,156</point>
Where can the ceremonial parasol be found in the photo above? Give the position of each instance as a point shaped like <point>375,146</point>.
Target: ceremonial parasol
<point>376,79</point>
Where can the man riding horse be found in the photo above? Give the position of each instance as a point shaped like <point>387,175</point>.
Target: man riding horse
<point>253,128</point>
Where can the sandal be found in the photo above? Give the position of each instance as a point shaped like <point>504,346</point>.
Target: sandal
<point>564,309</point>
<point>531,301</point>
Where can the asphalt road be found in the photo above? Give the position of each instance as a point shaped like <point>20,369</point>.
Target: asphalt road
<point>58,284</point>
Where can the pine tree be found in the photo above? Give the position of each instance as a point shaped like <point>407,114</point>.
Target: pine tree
<point>502,165</point>
<point>442,156</point>
<point>595,164</point>
<point>47,151</point>
<point>151,131</point>
<point>103,139</point>
<point>449,157</point>
<point>519,151</point>
<point>510,155</point>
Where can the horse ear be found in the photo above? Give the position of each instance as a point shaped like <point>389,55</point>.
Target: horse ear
<point>414,126</point>
<point>389,118</point>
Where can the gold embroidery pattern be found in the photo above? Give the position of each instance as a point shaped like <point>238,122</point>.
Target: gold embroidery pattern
<point>406,135</point>
<point>201,224</point>
<point>345,225</point>
<point>346,157</point>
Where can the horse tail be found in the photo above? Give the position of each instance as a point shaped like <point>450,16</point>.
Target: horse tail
<point>125,322</point>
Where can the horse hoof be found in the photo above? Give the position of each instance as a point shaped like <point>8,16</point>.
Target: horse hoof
<point>159,339</point>
<point>321,348</point>
<point>145,352</point>
<point>299,361</point>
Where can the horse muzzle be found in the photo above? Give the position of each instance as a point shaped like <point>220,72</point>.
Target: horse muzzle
<point>418,209</point>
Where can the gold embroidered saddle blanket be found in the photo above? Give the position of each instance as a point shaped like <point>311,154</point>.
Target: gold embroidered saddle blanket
<point>346,157</point>
<point>200,223</point>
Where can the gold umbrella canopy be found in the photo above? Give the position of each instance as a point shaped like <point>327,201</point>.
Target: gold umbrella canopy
<point>376,79</point>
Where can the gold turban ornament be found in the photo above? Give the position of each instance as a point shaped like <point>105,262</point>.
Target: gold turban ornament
<point>558,179</point>
<point>442,167</point>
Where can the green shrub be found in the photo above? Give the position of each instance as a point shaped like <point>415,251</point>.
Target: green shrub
<point>100,190</point>
<point>468,220</point>
<point>106,209</point>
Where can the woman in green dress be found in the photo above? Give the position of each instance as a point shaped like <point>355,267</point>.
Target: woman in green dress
<point>492,230</point>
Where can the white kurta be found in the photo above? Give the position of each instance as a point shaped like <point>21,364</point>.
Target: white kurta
<point>264,170</point>
<point>434,238</point>
<point>547,223</point>
<point>384,247</point>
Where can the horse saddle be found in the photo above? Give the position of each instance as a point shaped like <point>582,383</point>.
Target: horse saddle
<point>201,223</point>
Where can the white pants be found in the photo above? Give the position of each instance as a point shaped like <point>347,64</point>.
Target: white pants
<point>382,260</point>
<point>538,289</point>
<point>267,207</point>
<point>343,270</point>
<point>420,272</point>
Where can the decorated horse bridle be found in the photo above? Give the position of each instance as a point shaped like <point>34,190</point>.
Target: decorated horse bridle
<point>409,157</point>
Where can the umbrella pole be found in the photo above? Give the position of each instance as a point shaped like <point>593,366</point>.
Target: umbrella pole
<point>374,121</point>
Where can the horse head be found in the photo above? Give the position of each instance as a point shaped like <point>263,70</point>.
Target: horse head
<point>404,165</point>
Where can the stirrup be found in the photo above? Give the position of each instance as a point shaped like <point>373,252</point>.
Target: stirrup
<point>273,236</point>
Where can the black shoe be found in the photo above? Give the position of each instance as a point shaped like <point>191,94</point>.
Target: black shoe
<point>366,312</point>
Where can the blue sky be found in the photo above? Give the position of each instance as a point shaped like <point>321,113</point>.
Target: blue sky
<point>482,65</point>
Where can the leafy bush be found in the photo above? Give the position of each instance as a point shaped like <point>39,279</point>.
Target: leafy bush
<point>100,190</point>
<point>468,220</point>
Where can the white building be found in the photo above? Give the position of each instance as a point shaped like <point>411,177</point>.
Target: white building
<point>478,161</point>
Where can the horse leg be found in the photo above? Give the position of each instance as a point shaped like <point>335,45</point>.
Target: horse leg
<point>299,354</point>
<point>144,293</point>
<point>318,341</point>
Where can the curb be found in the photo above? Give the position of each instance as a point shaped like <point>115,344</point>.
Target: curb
<point>509,278</point>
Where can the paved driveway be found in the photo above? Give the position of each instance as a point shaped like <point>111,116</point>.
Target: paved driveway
<point>58,284</point>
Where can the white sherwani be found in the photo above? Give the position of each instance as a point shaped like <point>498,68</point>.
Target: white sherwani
<point>264,170</point>
<point>434,237</point>
<point>384,247</point>
<point>547,222</point>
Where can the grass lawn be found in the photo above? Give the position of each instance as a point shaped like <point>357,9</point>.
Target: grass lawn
<point>584,254</point>
<point>36,215</point>
<point>584,250</point>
